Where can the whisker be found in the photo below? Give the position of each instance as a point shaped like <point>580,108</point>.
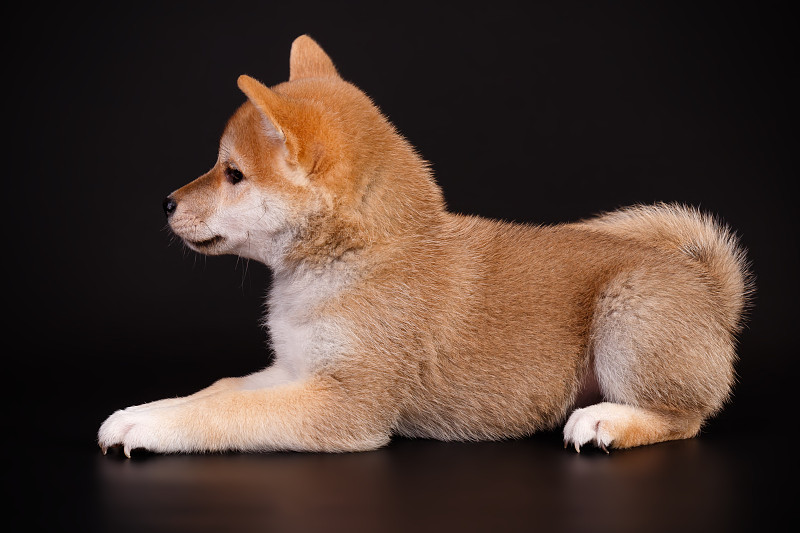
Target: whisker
<point>247,259</point>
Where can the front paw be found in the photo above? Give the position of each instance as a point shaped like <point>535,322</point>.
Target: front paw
<point>132,428</point>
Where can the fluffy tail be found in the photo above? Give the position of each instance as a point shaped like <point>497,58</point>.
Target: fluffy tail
<point>697,235</point>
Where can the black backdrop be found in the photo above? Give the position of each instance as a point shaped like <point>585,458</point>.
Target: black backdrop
<point>537,112</point>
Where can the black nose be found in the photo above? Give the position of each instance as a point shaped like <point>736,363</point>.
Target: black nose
<point>169,205</point>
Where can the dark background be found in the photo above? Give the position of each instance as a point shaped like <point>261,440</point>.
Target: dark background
<point>537,112</point>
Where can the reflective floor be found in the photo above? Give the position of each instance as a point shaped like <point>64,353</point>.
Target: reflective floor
<point>712,483</point>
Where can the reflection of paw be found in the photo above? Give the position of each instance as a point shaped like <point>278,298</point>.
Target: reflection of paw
<point>595,424</point>
<point>132,429</point>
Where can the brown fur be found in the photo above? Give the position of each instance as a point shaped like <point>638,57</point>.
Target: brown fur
<point>447,326</point>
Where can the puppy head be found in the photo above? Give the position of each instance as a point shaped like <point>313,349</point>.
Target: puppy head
<point>289,157</point>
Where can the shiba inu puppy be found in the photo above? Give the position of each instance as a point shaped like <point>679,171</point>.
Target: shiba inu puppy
<point>390,315</point>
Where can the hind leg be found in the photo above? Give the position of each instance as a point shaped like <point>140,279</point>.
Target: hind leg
<point>663,364</point>
<point>624,426</point>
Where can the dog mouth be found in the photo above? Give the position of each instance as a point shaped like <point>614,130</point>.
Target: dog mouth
<point>207,243</point>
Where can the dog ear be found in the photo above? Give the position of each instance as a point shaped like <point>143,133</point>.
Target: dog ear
<point>268,102</point>
<point>308,60</point>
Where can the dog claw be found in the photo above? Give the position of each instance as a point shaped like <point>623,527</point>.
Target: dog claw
<point>127,451</point>
<point>577,448</point>
<point>603,447</point>
<point>103,449</point>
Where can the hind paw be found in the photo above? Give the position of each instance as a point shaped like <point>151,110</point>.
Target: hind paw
<point>624,426</point>
<point>594,424</point>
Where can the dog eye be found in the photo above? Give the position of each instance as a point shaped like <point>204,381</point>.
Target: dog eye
<point>234,175</point>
